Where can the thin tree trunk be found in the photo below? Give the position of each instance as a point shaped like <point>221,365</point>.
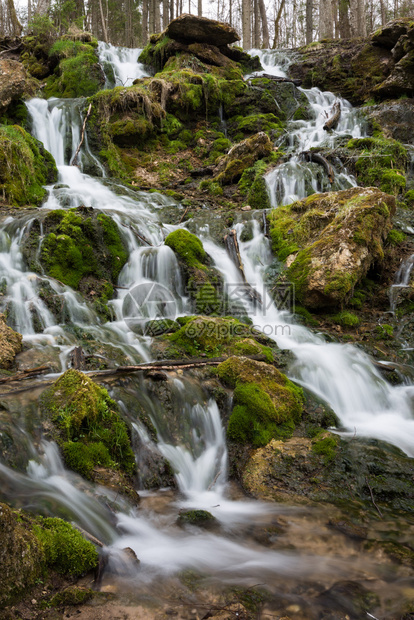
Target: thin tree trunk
<point>277,24</point>
<point>103,24</point>
<point>165,13</point>
<point>42,7</point>
<point>325,19</point>
<point>265,25</point>
<point>247,34</point>
<point>357,18</point>
<point>309,21</point>
<point>16,25</point>
<point>200,8</point>
<point>383,19</point>
<point>157,16</point>
<point>344,25</point>
<point>256,25</point>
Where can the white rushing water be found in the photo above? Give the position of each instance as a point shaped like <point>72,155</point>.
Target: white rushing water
<point>124,63</point>
<point>341,375</point>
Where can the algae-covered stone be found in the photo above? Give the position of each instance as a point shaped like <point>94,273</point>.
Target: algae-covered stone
<point>266,403</point>
<point>216,337</point>
<point>21,556</point>
<point>79,247</point>
<point>201,518</point>
<point>330,241</point>
<point>88,426</point>
<point>241,157</point>
<point>14,82</point>
<point>78,72</point>
<point>10,344</point>
<point>200,29</point>
<point>25,167</point>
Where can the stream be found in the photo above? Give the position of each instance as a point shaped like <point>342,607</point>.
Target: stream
<point>277,546</point>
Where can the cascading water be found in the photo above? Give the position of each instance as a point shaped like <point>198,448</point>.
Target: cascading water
<point>199,457</point>
<point>295,179</point>
<point>123,62</point>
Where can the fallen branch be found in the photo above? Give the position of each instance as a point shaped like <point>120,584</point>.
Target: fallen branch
<point>265,224</point>
<point>333,121</point>
<point>86,534</point>
<point>232,247</point>
<point>10,49</point>
<point>75,157</point>
<point>78,358</point>
<point>184,214</point>
<point>140,237</point>
<point>32,372</point>
<point>317,158</point>
<point>372,497</point>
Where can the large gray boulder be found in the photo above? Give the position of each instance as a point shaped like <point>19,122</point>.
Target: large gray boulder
<point>201,30</point>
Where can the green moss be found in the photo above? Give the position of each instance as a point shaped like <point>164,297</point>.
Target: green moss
<point>66,551</point>
<point>90,428</point>
<point>409,198</point>
<point>253,123</point>
<point>384,332</point>
<point>395,237</point>
<point>78,73</point>
<point>196,517</point>
<point>25,166</point>
<point>326,447</point>
<point>266,404</point>
<point>381,163</point>
<point>346,319</point>
<point>188,247</point>
<point>80,244</point>
<point>71,596</point>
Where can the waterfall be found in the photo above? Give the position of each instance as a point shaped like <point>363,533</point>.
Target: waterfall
<point>123,62</point>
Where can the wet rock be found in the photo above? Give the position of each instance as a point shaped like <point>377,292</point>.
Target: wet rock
<point>10,344</point>
<point>242,156</point>
<point>200,518</point>
<point>388,35</point>
<point>396,119</point>
<point>21,556</point>
<point>349,597</point>
<point>330,241</point>
<point>14,82</point>
<point>201,30</point>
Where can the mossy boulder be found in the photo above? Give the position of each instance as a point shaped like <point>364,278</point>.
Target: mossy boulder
<point>88,427</point>
<point>10,344</point>
<point>65,549</point>
<point>21,556</point>
<point>77,73</point>
<point>241,157</point>
<point>313,469</point>
<point>395,119</point>
<point>201,30</point>
<point>14,83</point>
<point>81,248</point>
<point>266,404</point>
<point>200,518</point>
<point>330,241</point>
<point>204,283</point>
<point>215,337</point>
<point>25,167</point>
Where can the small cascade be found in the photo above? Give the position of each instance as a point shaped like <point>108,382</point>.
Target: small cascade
<point>295,179</point>
<point>123,62</point>
<point>402,281</point>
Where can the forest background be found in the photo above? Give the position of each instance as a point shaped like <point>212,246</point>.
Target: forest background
<point>262,23</point>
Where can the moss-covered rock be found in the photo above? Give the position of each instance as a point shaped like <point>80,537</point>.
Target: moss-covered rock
<point>10,344</point>
<point>241,157</point>
<point>87,425</point>
<point>81,248</point>
<point>25,167</point>
<point>78,73</point>
<point>215,337</point>
<point>21,556</point>
<point>65,549</point>
<point>200,518</point>
<point>329,242</point>
<point>203,282</point>
<point>14,84</point>
<point>266,403</point>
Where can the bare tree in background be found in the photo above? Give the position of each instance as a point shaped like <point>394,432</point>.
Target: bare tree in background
<point>357,18</point>
<point>325,19</point>
<point>15,24</point>
<point>309,21</point>
<point>265,25</point>
<point>42,7</point>
<point>277,24</point>
<point>200,8</point>
<point>246,24</point>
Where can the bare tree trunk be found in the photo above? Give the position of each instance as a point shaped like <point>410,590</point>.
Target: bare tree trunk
<point>344,25</point>
<point>171,10</point>
<point>42,7</point>
<point>265,25</point>
<point>309,21</point>
<point>256,25</point>
<point>325,19</point>
<point>16,25</point>
<point>165,13</point>
<point>29,11</point>
<point>357,18</point>
<point>277,24</point>
<point>200,8</point>
<point>103,24</point>
<point>157,16</point>
<point>247,33</point>
<point>383,17</point>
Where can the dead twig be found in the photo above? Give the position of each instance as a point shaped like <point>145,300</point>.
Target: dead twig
<point>75,157</point>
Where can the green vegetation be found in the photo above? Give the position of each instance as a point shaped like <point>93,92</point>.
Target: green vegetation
<point>88,424</point>
<point>395,237</point>
<point>77,74</point>
<point>71,596</point>
<point>201,518</point>
<point>326,447</point>
<point>65,549</point>
<point>253,185</point>
<point>25,166</point>
<point>384,332</point>
<point>346,319</point>
<point>188,247</point>
<point>382,163</point>
<point>267,404</point>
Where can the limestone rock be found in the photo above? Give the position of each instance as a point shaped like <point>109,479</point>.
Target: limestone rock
<point>396,119</point>
<point>13,82</point>
<point>391,32</point>
<point>10,344</point>
<point>242,156</point>
<point>333,240</point>
<point>201,30</point>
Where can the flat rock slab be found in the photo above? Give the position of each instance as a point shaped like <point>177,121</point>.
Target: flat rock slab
<point>201,30</point>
